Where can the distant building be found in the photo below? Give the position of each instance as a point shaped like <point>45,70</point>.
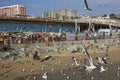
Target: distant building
<point>63,13</point>
<point>67,14</point>
<point>12,11</point>
<point>53,15</point>
<point>104,17</point>
<point>73,13</point>
<point>45,15</point>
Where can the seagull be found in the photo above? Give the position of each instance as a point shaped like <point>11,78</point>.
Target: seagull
<point>76,63</point>
<point>73,73</point>
<point>23,70</point>
<point>60,62</point>
<point>34,78</point>
<point>102,69</point>
<point>92,66</point>
<point>118,72</point>
<point>44,76</point>
<point>29,77</point>
<point>83,50</point>
<point>31,70</point>
<point>101,60</point>
<point>118,68</point>
<point>86,6</point>
<point>75,60</point>
<point>92,78</point>
<point>68,77</point>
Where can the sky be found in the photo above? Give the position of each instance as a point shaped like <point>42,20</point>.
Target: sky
<point>36,7</point>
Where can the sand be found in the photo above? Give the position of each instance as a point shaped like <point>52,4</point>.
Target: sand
<point>10,70</point>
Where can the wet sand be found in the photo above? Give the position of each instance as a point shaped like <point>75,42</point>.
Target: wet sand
<point>62,61</point>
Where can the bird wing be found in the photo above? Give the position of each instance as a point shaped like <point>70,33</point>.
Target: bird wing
<point>89,57</point>
<point>86,5</point>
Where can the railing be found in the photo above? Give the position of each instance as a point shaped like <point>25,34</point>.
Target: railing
<point>99,21</point>
<point>81,20</point>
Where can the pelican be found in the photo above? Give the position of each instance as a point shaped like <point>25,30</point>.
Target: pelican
<point>86,6</point>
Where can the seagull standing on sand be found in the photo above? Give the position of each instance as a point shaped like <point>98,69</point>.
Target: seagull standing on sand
<point>23,70</point>
<point>118,72</point>
<point>102,61</point>
<point>44,76</point>
<point>75,60</point>
<point>102,69</point>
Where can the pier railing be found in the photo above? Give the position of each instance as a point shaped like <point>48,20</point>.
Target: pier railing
<point>113,22</point>
<point>99,21</point>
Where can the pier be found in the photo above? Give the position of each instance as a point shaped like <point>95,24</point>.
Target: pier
<point>55,25</point>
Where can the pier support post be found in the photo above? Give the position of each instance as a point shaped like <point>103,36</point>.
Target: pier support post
<point>91,27</point>
<point>76,30</point>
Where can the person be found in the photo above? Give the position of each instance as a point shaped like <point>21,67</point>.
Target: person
<point>103,35</point>
<point>95,37</point>
<point>86,35</point>
<point>1,40</point>
<point>110,35</point>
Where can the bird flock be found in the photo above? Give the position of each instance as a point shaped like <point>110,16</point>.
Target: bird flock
<point>91,64</point>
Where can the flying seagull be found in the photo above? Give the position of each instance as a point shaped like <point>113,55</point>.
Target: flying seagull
<point>86,6</point>
<point>92,66</point>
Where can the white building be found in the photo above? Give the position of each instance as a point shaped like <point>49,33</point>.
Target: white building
<point>53,15</point>
<point>45,15</point>
<point>73,13</point>
<point>63,13</point>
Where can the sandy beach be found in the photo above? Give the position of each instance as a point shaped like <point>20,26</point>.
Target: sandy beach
<point>30,69</point>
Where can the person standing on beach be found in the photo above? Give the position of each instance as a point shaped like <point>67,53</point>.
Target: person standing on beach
<point>95,37</point>
<point>110,35</point>
<point>1,40</point>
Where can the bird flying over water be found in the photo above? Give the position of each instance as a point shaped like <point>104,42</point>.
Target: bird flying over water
<point>86,6</point>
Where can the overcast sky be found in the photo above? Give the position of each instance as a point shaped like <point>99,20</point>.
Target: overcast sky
<point>36,7</point>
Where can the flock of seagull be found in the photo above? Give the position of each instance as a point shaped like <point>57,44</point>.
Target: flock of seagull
<point>84,48</point>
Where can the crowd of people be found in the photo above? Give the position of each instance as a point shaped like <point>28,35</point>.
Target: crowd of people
<point>18,38</point>
<point>24,38</point>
